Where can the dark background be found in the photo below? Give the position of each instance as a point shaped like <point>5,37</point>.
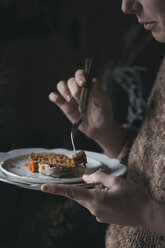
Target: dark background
<point>42,42</point>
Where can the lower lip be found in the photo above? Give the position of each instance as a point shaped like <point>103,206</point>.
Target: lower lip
<point>149,26</point>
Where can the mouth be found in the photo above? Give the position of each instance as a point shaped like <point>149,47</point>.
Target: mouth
<point>148,25</point>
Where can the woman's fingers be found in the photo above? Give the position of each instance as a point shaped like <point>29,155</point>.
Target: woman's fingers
<point>56,98</point>
<point>74,89</point>
<point>72,192</point>
<point>69,89</point>
<point>66,98</point>
<point>80,77</point>
<point>70,109</point>
<point>81,196</point>
<point>64,91</point>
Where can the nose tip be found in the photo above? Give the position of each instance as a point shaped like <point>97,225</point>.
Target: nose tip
<point>130,6</point>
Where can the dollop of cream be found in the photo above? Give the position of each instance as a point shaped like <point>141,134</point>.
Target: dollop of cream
<point>45,169</point>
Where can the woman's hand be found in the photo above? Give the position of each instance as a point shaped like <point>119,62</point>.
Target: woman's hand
<point>99,112</point>
<point>119,202</point>
<point>98,122</point>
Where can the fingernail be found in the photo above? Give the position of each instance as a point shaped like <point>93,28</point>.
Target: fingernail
<point>52,97</point>
<point>68,98</point>
<point>44,188</point>
<point>81,82</point>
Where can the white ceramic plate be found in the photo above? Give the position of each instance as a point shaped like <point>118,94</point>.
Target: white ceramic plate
<point>13,168</point>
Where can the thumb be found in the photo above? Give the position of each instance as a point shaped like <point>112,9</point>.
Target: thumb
<point>102,178</point>
<point>98,96</point>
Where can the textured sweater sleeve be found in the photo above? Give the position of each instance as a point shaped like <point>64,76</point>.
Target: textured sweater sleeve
<point>131,133</point>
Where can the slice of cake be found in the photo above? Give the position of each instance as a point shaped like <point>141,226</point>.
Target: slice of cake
<point>79,158</point>
<point>53,164</point>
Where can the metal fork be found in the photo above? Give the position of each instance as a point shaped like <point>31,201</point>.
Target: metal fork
<point>83,102</point>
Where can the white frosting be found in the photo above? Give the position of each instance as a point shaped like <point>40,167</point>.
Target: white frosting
<point>45,169</point>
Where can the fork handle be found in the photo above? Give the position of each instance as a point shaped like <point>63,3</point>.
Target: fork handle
<point>83,103</point>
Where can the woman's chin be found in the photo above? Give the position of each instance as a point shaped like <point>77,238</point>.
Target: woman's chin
<point>159,37</point>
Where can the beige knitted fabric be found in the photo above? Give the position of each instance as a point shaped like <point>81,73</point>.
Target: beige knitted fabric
<point>146,166</point>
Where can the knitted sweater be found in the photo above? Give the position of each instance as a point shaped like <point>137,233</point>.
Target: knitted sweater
<point>146,166</point>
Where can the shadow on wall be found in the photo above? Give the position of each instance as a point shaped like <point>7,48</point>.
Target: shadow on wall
<point>43,42</point>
